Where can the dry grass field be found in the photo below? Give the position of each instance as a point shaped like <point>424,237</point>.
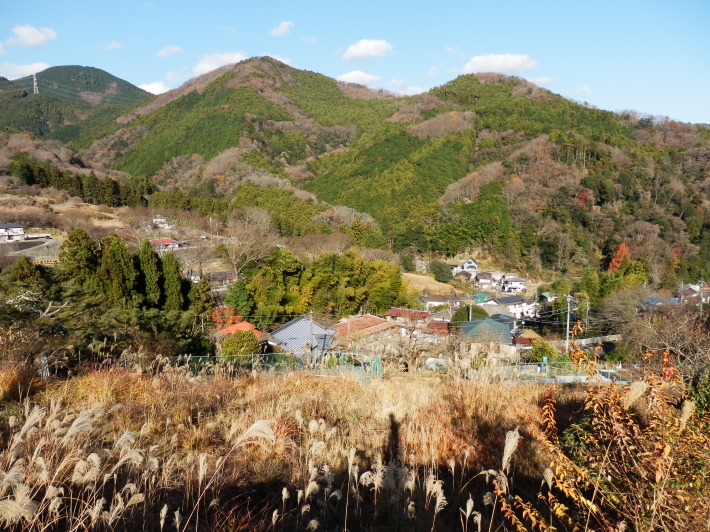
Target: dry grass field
<point>134,449</point>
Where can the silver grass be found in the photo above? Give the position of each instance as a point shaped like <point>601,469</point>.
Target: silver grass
<point>686,412</point>
<point>317,448</point>
<point>126,441</point>
<point>178,518</point>
<point>299,497</point>
<point>305,509</point>
<point>115,510</point>
<point>274,518</point>
<point>548,477</point>
<point>83,423</point>
<point>260,430</point>
<point>163,513</point>
<point>53,491</point>
<point>285,495</point>
<point>95,511</point>
<point>299,417</point>
<point>367,478</point>
<point>322,426</point>
<point>512,438</point>
<point>636,390</point>
<point>12,422</point>
<point>312,471</point>
<point>21,507</point>
<point>202,471</point>
<point>130,488</point>
<point>411,510</point>
<point>132,457</point>
<point>55,505</point>
<point>312,489</point>
<point>135,499</point>
<point>9,480</point>
<point>411,482</point>
<point>338,494</point>
<point>329,435</point>
<point>313,525</point>
<point>313,427</point>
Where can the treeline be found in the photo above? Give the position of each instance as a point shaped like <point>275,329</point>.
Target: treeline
<point>284,287</point>
<point>88,187</point>
<point>101,300</point>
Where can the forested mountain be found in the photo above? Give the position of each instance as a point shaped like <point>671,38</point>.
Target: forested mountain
<point>67,96</point>
<point>483,163</point>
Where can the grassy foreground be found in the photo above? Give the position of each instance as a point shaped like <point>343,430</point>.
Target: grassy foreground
<point>125,449</point>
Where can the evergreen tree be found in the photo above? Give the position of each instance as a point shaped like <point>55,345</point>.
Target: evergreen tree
<point>239,298</point>
<point>172,283</point>
<point>151,274</point>
<point>441,271</point>
<point>78,256</point>
<point>467,313</point>
<point>26,273</point>
<point>201,300</point>
<point>117,273</point>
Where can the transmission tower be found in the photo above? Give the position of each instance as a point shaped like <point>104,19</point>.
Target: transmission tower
<point>34,84</point>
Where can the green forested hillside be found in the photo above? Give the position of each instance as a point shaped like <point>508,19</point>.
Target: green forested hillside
<point>485,163</point>
<point>72,102</point>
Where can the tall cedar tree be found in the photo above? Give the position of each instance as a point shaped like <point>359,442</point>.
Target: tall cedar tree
<point>151,272</point>
<point>172,283</point>
<point>117,273</point>
<point>201,301</point>
<point>79,256</point>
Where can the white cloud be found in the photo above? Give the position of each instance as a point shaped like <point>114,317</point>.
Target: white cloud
<point>173,76</point>
<point>310,39</point>
<point>12,71</point>
<point>157,87</point>
<point>542,80</point>
<point>30,36</point>
<point>170,50</point>
<point>209,62</point>
<point>432,72</point>
<point>281,58</point>
<point>450,50</point>
<point>401,87</point>
<point>358,76</point>
<point>502,63</point>
<point>367,49</point>
<point>283,29</point>
<point>584,89</point>
<point>113,45</point>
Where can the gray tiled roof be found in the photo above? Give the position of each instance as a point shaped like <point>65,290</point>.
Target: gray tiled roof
<point>297,335</point>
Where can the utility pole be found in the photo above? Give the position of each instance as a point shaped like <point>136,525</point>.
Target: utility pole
<point>569,299</point>
<point>35,89</point>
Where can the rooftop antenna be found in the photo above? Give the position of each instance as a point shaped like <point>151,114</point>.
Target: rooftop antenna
<point>34,84</point>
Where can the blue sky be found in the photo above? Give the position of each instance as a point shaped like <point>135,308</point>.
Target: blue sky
<point>650,56</point>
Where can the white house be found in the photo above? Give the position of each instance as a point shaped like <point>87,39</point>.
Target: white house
<point>469,266</point>
<point>512,283</point>
<point>516,306</point>
<point>12,233</point>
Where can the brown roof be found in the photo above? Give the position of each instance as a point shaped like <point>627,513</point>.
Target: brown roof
<point>361,326</point>
<point>353,324</point>
<point>408,313</point>
<point>436,327</point>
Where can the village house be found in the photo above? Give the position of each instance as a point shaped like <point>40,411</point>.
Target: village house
<point>516,306</point>
<point>512,283</point>
<point>365,334</point>
<point>161,222</point>
<point>469,266</point>
<point>304,337</point>
<point>485,281</point>
<point>434,301</point>
<point>264,340</point>
<point>408,317</point>
<point>12,233</point>
<point>163,245</point>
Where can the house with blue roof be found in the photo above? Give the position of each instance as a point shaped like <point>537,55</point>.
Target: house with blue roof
<point>304,336</point>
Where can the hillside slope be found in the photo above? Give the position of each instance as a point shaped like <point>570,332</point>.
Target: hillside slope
<point>483,164</point>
